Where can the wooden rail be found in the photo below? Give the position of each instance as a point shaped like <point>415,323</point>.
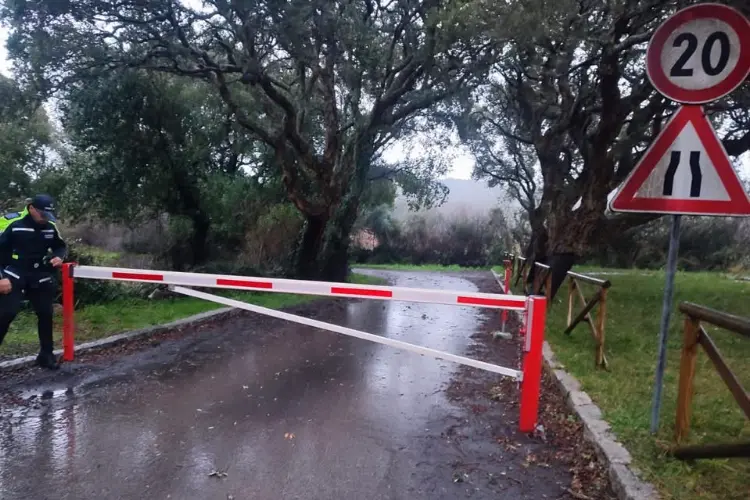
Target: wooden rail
<point>520,268</point>
<point>595,318</point>
<point>695,335</point>
<point>587,313</point>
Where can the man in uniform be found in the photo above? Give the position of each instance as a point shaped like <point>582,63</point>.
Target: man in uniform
<point>26,267</point>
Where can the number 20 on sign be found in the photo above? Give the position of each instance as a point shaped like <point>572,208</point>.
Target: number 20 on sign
<point>698,55</point>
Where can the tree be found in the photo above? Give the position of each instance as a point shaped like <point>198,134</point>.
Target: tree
<point>577,95</point>
<point>25,135</point>
<point>146,145</point>
<point>324,84</point>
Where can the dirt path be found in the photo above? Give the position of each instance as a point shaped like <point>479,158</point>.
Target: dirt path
<point>256,408</point>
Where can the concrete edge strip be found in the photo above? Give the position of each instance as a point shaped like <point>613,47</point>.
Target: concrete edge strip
<point>197,319</point>
<point>625,478</point>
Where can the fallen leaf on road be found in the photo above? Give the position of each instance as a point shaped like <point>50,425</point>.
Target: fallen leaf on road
<point>288,435</point>
<point>459,478</point>
<point>578,496</point>
<point>217,473</point>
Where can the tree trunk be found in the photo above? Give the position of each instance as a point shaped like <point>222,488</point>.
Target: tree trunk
<point>306,260</point>
<point>537,250</point>
<point>324,250</point>
<point>199,239</point>
<point>334,259</point>
<point>560,264</point>
<point>189,205</point>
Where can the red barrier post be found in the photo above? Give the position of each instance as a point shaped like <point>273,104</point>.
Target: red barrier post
<point>536,316</point>
<point>68,303</point>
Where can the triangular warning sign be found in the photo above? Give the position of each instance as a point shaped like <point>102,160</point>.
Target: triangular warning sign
<point>684,171</point>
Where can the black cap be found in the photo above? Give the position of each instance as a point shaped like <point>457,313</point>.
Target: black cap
<point>45,204</point>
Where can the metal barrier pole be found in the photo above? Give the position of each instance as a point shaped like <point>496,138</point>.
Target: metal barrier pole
<point>536,315</point>
<point>68,303</point>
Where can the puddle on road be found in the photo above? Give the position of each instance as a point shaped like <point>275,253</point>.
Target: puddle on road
<point>348,403</point>
<point>47,393</point>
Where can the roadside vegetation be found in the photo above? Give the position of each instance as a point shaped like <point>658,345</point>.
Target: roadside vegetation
<point>624,392</point>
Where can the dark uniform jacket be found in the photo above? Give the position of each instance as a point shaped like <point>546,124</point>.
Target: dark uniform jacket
<point>23,246</point>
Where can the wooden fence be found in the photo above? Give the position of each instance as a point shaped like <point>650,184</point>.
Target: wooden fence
<point>587,313</point>
<point>595,318</point>
<point>695,335</point>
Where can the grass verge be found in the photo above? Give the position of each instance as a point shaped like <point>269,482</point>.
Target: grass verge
<point>99,321</point>
<point>624,393</point>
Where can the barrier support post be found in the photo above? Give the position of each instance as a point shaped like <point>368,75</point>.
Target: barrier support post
<point>68,303</point>
<point>536,315</point>
<point>508,275</point>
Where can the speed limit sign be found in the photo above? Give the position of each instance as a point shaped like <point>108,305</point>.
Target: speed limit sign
<point>700,54</point>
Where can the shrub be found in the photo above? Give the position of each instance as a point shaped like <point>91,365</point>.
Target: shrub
<point>88,291</point>
<point>469,241</point>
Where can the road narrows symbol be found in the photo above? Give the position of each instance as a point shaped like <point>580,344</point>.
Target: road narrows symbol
<point>695,172</point>
<point>674,162</point>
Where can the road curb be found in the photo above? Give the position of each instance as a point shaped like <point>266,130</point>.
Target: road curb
<point>624,477</point>
<point>190,321</point>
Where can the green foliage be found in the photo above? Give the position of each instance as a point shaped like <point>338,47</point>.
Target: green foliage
<point>150,141</point>
<point>25,132</point>
<point>324,86</point>
<point>89,292</point>
<point>706,243</point>
<point>148,144</point>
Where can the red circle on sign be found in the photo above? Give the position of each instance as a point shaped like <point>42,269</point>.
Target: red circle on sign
<point>669,89</point>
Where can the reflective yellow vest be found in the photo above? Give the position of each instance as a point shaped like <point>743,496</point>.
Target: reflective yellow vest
<point>8,218</point>
<point>11,217</point>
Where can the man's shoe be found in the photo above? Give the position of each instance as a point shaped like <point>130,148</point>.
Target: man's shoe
<point>47,360</point>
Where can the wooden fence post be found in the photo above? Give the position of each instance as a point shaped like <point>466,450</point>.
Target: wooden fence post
<point>600,359</point>
<point>571,298</point>
<point>691,337</point>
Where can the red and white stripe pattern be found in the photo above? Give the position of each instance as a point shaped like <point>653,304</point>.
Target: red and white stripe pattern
<point>425,351</point>
<point>485,300</point>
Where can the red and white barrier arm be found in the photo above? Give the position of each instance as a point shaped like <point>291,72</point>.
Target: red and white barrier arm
<point>379,339</point>
<point>487,300</point>
<point>534,308</point>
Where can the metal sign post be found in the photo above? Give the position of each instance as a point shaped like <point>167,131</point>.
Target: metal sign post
<point>698,55</point>
<point>674,243</point>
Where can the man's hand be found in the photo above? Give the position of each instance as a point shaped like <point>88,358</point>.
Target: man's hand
<point>56,262</point>
<point>5,286</point>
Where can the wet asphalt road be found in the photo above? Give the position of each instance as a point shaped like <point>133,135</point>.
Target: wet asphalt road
<point>276,410</point>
